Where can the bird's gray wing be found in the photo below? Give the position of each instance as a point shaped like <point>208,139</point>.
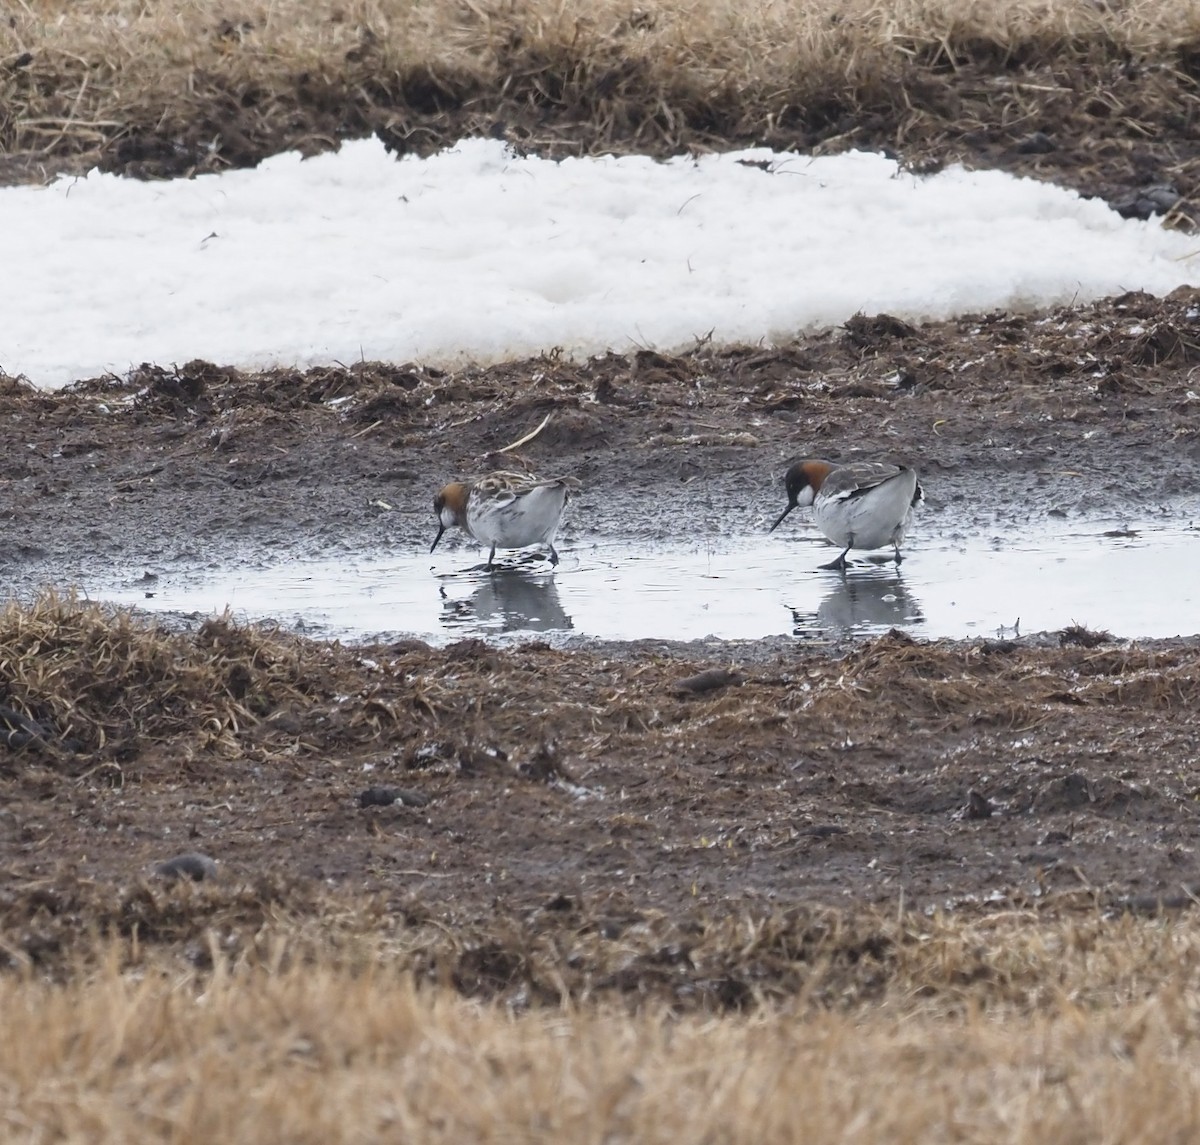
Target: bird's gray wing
<point>858,478</point>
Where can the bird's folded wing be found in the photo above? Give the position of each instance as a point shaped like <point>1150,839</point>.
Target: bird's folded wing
<point>568,483</point>
<point>855,480</point>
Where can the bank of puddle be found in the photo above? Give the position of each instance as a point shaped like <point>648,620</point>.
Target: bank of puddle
<point>1132,580</point>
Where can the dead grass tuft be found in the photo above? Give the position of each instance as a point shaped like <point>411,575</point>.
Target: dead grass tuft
<point>99,680</point>
<point>932,679</point>
<point>1084,637</point>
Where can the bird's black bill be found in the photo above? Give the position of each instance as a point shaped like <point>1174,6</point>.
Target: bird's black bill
<point>441,530</point>
<point>781,517</point>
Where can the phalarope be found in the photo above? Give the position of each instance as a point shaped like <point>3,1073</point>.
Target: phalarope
<point>863,505</point>
<point>505,510</point>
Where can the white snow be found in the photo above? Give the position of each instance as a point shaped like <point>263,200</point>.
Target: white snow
<point>477,254</point>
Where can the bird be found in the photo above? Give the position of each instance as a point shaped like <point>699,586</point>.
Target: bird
<point>863,505</point>
<point>505,510</point>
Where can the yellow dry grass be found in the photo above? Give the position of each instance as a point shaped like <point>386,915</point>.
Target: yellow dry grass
<point>350,1051</point>
<point>76,75</point>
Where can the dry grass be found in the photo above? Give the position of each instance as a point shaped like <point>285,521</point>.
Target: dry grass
<point>327,1052</point>
<point>208,83</point>
<point>268,1007</point>
<point>111,687</point>
<point>98,677</point>
<point>726,958</point>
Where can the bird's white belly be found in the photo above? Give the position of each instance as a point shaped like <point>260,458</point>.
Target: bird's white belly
<point>529,519</point>
<point>878,518</point>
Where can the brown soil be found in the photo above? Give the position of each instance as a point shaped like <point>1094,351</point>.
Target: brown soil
<point>548,796</point>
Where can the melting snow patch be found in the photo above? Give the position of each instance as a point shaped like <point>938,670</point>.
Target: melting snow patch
<point>478,254</point>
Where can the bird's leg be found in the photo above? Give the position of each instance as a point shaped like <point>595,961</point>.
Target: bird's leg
<point>840,563</point>
<point>491,556</point>
<point>553,556</point>
<point>899,558</point>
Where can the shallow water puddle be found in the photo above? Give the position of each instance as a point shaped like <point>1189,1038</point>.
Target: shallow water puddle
<point>1131,580</point>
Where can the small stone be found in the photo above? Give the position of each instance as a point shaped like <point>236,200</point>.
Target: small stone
<point>1039,143</point>
<point>386,796</point>
<point>823,831</point>
<point>192,865</point>
<point>708,681</point>
<point>1155,199</point>
<point>978,806</point>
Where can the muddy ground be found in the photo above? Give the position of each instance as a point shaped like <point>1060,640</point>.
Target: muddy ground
<point>563,792</point>
<point>1007,417</point>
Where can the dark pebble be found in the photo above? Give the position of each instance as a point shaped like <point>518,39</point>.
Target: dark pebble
<point>1039,143</point>
<point>386,796</point>
<point>1156,199</point>
<point>978,806</point>
<point>708,681</point>
<point>823,831</point>
<point>193,865</point>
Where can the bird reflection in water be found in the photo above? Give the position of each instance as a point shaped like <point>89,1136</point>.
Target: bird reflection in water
<point>509,599</point>
<point>860,602</point>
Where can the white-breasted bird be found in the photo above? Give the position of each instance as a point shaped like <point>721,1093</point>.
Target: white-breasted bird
<point>505,510</point>
<point>862,505</point>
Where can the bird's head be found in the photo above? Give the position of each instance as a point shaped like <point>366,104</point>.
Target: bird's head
<point>802,481</point>
<point>450,506</point>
